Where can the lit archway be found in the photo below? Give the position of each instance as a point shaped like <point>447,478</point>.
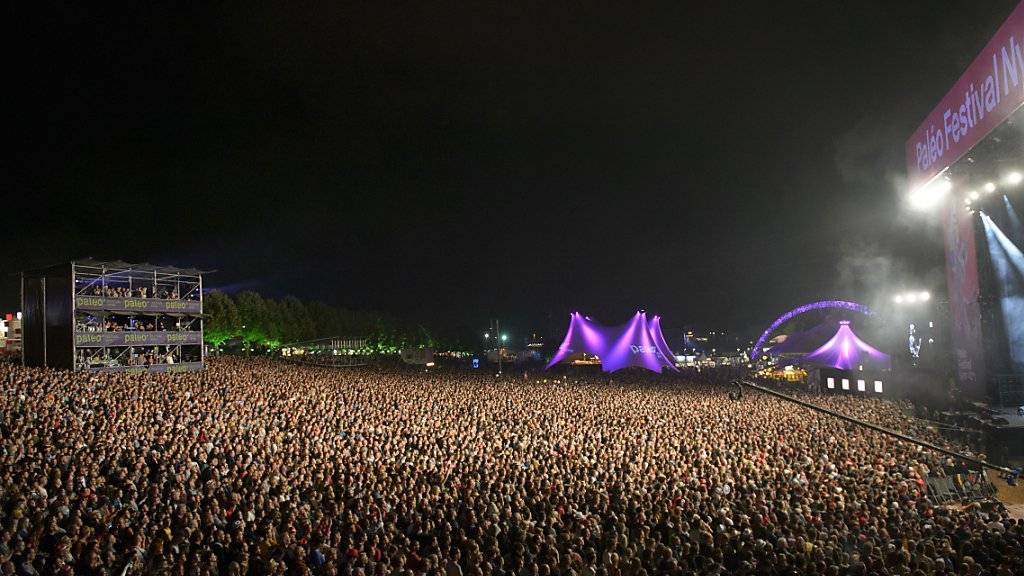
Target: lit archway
<point>836,304</point>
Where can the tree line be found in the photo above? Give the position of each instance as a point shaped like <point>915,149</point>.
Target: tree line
<point>257,321</point>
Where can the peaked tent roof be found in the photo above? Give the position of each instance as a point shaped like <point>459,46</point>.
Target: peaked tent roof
<point>638,342</point>
<point>846,351</point>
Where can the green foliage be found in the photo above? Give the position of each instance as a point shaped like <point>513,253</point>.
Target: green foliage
<point>222,319</point>
<point>297,323</point>
<point>266,323</point>
<point>255,318</point>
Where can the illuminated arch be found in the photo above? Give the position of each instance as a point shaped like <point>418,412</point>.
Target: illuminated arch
<point>837,304</point>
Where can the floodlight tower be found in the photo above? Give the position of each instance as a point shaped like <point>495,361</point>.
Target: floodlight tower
<point>499,338</point>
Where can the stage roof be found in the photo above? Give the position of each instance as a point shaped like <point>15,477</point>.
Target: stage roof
<point>846,351</point>
<point>638,342</point>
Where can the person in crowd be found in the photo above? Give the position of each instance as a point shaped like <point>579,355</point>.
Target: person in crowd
<point>141,292</point>
<point>254,466</point>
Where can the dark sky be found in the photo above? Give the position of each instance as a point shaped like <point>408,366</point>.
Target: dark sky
<point>717,164</point>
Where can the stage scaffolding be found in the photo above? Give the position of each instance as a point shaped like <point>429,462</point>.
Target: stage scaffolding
<point>331,352</point>
<point>113,316</point>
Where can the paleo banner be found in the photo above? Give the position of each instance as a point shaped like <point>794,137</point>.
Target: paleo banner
<point>986,94</point>
<point>964,308</point>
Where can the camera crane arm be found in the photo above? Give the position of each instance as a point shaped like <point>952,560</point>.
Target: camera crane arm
<point>876,428</point>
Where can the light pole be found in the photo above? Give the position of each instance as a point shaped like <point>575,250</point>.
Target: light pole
<point>500,339</point>
<point>504,337</point>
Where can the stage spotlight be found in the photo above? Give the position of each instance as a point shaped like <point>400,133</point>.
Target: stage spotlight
<point>967,201</point>
<point>975,196</point>
<point>1007,263</point>
<point>990,187</point>
<point>924,296</point>
<point>927,196</point>
<point>898,299</point>
<point>910,298</point>
<point>1014,178</point>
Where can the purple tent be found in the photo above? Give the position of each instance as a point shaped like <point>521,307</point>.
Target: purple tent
<point>638,342</point>
<point>846,351</point>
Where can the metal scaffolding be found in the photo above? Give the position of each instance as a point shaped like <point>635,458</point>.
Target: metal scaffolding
<point>96,315</point>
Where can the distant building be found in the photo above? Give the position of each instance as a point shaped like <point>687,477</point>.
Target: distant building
<point>535,342</point>
<point>10,333</point>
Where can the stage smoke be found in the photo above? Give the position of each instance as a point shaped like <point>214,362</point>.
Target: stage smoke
<point>1016,231</point>
<point>1008,263</point>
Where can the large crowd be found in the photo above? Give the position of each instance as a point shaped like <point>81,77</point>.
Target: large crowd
<point>124,323</point>
<point>259,467</point>
<point>161,292</point>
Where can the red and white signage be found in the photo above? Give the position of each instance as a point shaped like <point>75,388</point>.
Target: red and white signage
<point>989,91</point>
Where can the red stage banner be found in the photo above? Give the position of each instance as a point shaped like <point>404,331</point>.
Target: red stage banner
<point>989,91</point>
<point>965,311</point>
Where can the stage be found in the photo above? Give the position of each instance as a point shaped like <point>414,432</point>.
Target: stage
<point>994,415</point>
<point>1002,429</point>
<point>1011,496</point>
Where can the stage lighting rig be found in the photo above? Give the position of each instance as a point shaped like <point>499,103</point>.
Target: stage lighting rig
<point>929,195</point>
<point>912,297</point>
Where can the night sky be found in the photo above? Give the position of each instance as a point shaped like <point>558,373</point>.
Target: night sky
<point>717,165</point>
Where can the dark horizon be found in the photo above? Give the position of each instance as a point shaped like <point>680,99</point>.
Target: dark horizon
<point>716,166</point>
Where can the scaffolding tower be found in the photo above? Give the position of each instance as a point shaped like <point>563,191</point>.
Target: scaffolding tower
<point>113,316</point>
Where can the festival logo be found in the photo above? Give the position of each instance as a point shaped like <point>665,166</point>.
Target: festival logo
<point>137,338</point>
<point>986,94</point>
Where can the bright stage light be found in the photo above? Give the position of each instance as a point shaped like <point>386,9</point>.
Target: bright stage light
<point>928,196</point>
<point>1014,178</point>
<point>975,196</point>
<point>912,297</point>
<point>967,201</point>
<point>990,187</point>
<point>1008,264</point>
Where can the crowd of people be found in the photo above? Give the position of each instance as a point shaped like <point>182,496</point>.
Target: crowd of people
<point>134,356</point>
<point>260,467</point>
<point>122,323</point>
<point>161,292</point>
